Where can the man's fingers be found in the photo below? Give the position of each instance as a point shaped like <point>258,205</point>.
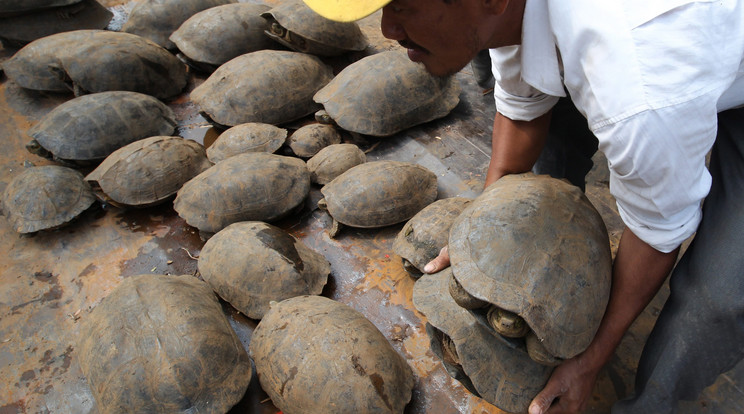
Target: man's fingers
<point>439,262</point>
<point>542,401</point>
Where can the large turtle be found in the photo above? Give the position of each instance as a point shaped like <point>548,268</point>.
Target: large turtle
<point>89,61</point>
<point>334,160</point>
<point>311,138</point>
<point>386,93</point>
<point>248,137</point>
<point>378,194</point>
<point>251,263</point>
<point>158,19</point>
<point>316,355</point>
<point>45,198</point>
<point>16,31</point>
<point>218,34</point>
<point>268,86</point>
<point>293,24</point>
<point>90,127</point>
<point>161,343</point>
<point>149,171</point>
<point>535,247</point>
<point>492,367</point>
<point>426,233</point>
<point>252,186</point>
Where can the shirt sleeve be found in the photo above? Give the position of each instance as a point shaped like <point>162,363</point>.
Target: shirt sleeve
<point>515,99</point>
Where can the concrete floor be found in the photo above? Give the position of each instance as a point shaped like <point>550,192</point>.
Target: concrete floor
<point>49,281</point>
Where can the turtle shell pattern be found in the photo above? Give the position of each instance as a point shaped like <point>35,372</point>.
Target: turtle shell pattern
<point>252,186</point>
<point>535,246</point>
<point>268,86</point>
<point>148,171</point>
<point>251,263</point>
<point>316,355</point>
<point>162,343</point>
<point>380,193</point>
<point>248,137</point>
<point>334,160</point>
<point>91,127</point>
<point>45,197</point>
<point>385,93</point>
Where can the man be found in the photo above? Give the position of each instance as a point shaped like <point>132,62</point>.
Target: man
<point>650,79</point>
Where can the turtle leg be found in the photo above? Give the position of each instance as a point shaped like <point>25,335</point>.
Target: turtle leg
<point>335,228</point>
<point>462,297</point>
<point>449,352</point>
<point>410,268</point>
<point>536,350</point>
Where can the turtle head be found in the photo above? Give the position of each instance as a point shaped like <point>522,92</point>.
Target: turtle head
<point>323,117</point>
<point>34,147</point>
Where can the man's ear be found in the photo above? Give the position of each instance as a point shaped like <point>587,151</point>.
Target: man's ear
<point>496,7</point>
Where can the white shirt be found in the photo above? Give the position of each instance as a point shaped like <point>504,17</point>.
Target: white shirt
<point>650,77</point>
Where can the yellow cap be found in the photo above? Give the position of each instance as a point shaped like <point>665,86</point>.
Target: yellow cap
<point>345,10</point>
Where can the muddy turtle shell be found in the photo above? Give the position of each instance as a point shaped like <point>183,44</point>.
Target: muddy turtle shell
<point>334,160</point>
<point>497,369</point>
<point>386,93</point>
<point>161,343</point>
<point>316,355</point>
<point>90,61</point>
<point>218,34</point>
<point>424,235</point>
<point>295,25</point>
<point>148,171</point>
<point>535,246</point>
<point>251,263</point>
<point>268,86</point>
<point>45,197</point>
<point>311,138</point>
<point>158,19</point>
<point>252,186</point>
<point>248,137</point>
<point>380,193</point>
<point>91,127</point>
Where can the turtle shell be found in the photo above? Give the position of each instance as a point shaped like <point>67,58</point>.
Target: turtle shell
<point>295,25</point>
<point>21,29</point>
<point>156,20</point>
<point>97,61</point>
<point>91,127</point>
<point>45,197</point>
<point>386,93</point>
<point>426,233</point>
<point>161,344</point>
<point>379,193</point>
<point>252,186</point>
<point>311,138</point>
<point>148,171</point>
<point>248,137</point>
<point>316,355</point>
<point>251,263</point>
<point>334,160</point>
<point>15,7</point>
<point>268,86</point>
<point>494,368</point>
<point>535,246</point>
<point>219,34</point>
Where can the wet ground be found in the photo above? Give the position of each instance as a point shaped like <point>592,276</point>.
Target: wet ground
<point>49,281</point>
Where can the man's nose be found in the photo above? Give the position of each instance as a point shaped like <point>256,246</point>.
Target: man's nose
<point>390,24</point>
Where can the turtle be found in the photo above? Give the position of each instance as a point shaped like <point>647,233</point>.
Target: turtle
<point>268,86</point>
<point>306,141</point>
<point>216,35</point>
<point>385,93</point>
<point>535,248</point>
<point>89,61</point>
<point>317,355</point>
<point>88,128</point>
<point>161,343</point>
<point>148,172</point>
<point>248,137</point>
<point>253,186</point>
<point>45,198</point>
<point>251,263</point>
<point>377,194</point>
<point>492,367</point>
<point>293,24</point>
<point>19,30</point>
<point>426,233</point>
<point>156,20</point>
<point>16,7</point>
<point>333,160</point>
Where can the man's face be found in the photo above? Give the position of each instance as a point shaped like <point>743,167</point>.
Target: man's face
<point>440,35</point>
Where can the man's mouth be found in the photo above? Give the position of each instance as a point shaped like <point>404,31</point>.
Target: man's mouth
<point>415,52</point>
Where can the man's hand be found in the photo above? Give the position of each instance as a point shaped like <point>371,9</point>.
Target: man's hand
<point>568,389</point>
<point>438,263</point>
